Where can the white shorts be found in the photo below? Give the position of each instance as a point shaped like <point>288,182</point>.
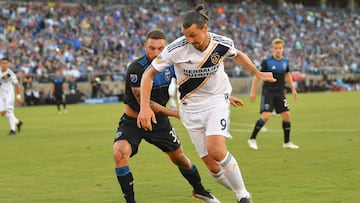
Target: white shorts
<point>7,102</point>
<point>214,121</point>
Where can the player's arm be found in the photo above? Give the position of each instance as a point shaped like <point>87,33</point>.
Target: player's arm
<point>244,61</point>
<point>52,88</point>
<point>156,107</point>
<point>290,82</point>
<point>18,91</point>
<point>253,88</point>
<point>146,114</point>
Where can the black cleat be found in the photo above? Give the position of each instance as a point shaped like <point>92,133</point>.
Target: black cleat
<point>19,126</point>
<point>12,132</point>
<point>245,200</point>
<point>206,196</point>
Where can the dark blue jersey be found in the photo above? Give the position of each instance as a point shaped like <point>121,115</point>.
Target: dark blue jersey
<point>58,85</point>
<point>279,68</point>
<point>161,83</point>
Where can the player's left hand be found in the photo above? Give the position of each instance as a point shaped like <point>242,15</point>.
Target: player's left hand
<point>236,102</point>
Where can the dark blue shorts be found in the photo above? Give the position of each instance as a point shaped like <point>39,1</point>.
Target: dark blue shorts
<point>270,102</point>
<point>162,136</point>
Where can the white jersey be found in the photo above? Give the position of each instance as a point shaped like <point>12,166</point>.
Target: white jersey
<point>7,81</point>
<point>202,80</point>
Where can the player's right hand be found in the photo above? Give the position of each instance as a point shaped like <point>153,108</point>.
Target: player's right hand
<point>252,97</point>
<point>144,119</point>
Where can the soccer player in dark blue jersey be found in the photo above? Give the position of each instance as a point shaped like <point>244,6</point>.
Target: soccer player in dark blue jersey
<point>163,136</point>
<point>58,90</point>
<point>273,96</point>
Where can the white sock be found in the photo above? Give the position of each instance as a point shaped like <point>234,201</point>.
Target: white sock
<point>233,176</point>
<point>220,178</point>
<point>13,121</point>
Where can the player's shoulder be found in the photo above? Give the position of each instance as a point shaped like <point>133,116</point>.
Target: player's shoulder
<point>177,44</point>
<point>221,39</point>
<point>139,64</point>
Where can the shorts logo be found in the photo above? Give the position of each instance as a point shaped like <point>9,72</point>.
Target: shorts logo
<point>118,134</point>
<point>133,78</point>
<point>215,57</point>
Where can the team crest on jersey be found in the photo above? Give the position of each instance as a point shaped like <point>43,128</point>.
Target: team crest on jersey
<point>215,57</point>
<point>284,66</point>
<point>167,75</point>
<point>133,78</point>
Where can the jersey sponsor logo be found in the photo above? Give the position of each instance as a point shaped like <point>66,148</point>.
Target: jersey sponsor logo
<point>202,72</point>
<point>133,78</point>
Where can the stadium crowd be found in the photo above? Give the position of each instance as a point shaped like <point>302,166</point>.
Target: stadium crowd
<point>87,42</point>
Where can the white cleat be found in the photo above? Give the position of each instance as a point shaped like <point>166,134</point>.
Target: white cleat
<point>290,145</point>
<point>252,144</point>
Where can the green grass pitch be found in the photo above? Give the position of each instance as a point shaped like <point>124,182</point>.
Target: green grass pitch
<point>68,158</point>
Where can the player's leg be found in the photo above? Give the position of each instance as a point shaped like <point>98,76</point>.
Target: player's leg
<point>282,107</point>
<point>58,102</point>
<point>217,130</point>
<point>122,151</point>
<point>167,140</point>
<point>191,174</point>
<point>9,113</point>
<point>266,107</point>
<point>63,101</point>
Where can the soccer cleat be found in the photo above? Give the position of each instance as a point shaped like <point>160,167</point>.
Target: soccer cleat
<point>290,145</point>
<point>206,196</point>
<point>19,126</point>
<point>12,132</point>
<point>245,200</point>
<point>252,144</point>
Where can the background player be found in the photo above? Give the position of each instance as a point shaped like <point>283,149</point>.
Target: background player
<point>57,90</point>
<point>273,96</point>
<point>8,81</point>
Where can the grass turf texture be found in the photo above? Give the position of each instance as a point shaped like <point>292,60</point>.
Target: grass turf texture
<point>68,158</point>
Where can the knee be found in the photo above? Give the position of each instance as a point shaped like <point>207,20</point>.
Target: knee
<point>182,161</point>
<point>211,164</point>
<point>286,116</point>
<point>121,151</point>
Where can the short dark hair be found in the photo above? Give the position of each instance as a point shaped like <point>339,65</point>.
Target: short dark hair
<point>199,17</point>
<point>156,34</point>
<point>4,58</point>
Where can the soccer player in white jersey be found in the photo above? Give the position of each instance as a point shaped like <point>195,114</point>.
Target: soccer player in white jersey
<point>205,95</point>
<point>8,80</point>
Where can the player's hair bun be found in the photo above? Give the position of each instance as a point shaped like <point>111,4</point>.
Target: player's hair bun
<point>201,9</point>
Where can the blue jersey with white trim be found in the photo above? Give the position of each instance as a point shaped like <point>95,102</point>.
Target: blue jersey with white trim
<point>279,68</point>
<point>161,82</point>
